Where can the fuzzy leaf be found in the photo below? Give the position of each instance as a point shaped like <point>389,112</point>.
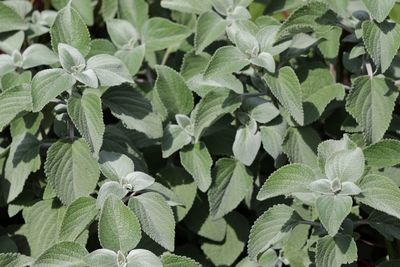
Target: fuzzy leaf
<point>64,254</point>
<point>347,165</point>
<point>371,102</point>
<point>174,139</point>
<point>335,251</point>
<point>142,257</point>
<point>68,162</point>
<point>187,6</point>
<point>110,70</point>
<point>209,27</point>
<point>384,153</point>
<point>10,20</point>
<point>171,260</point>
<point>115,166</point>
<point>379,9</point>
<point>246,145</point>
<point>156,218</point>
<point>119,228</point>
<point>15,260</point>
<point>232,182</point>
<point>197,161</point>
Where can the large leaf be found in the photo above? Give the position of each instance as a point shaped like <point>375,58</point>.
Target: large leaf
<point>286,88</point>
<point>332,210</point>
<point>71,169</point>
<point>119,228</point>
<point>335,251</point>
<point>15,260</point>
<point>231,184</point>
<point>209,27</point>
<point>347,165</point>
<point>64,254</point>
<point>187,6</point>
<point>226,60</point>
<point>48,84</point>
<point>212,107</point>
<point>10,20</point>
<point>12,102</point>
<point>293,178</point>
<point>156,218</point>
<point>77,218</point>
<point>173,91</point>
<point>379,9</point>
<point>384,153</point>
<point>371,102</point>
<point>381,41</point>
<point>380,193</point>
<point>86,113</point>
<point>159,33</point>
<point>69,28</point>
<point>197,161</point>
<point>134,11</point>
<point>271,227</point>
<point>134,110</point>
<point>23,159</point>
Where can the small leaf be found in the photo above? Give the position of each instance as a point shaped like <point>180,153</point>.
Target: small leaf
<point>265,60</point>
<point>102,258</point>
<point>209,27</point>
<point>159,33</point>
<point>231,184</point>
<point>381,41</point>
<point>121,32</point>
<point>69,28</point>
<point>87,115</point>
<point>110,188</point>
<point>37,55</point>
<point>115,166</point>
<point>347,165</point>
<point>109,70</point>
<point>68,161</point>
<point>384,153</point>
<point>335,251</point>
<point>226,60</point>
<point>139,180</point>
<point>142,257</point>
<point>271,227</point>
<point>286,88</point>
<point>371,102</point>
<point>69,254</point>
<point>156,218</point>
<point>379,10</point>
<point>119,228</point>
<point>246,145</point>
<point>293,178</point>
<point>380,193</point>
<point>174,139</point>
<point>47,85</point>
<point>10,20</point>
<point>332,210</point>
<point>173,91</point>
<point>197,161</point>
<point>187,6</point>
<point>77,218</point>
<point>70,57</point>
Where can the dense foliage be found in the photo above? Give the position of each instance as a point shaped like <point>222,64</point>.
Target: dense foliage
<point>184,133</point>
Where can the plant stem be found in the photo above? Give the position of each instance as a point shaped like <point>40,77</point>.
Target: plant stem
<point>315,224</point>
<point>71,129</point>
<point>370,72</point>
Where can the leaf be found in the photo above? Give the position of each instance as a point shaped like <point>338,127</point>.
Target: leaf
<point>23,159</point>
<point>64,254</point>
<point>379,10</point>
<point>335,251</point>
<point>135,111</point>
<point>173,91</point>
<point>174,139</point>
<point>48,84</point>
<point>86,113</point>
<point>226,60</point>
<point>171,260</point>
<point>212,107</point>
<point>209,27</point>
<point>292,178</point>
<point>134,11</point>
<point>119,228</point>
<point>371,102</point>
<point>187,6</point>
<point>265,60</point>
<point>225,253</point>
<point>109,9</point>
<point>36,55</point>
<point>270,228</point>
<point>232,182</point>
<point>286,88</point>
<point>381,41</point>
<point>272,138</point>
<point>142,257</point>
<point>110,188</point>
<point>102,258</point>
<point>10,20</point>
<point>69,28</point>
<point>133,58</point>
<point>77,218</point>
<point>347,165</point>
<point>159,33</point>
<point>115,166</point>
<point>300,145</point>
<point>156,218</point>
<point>386,225</point>
<point>385,153</point>
<point>110,70</point>
<point>246,145</point>
<point>332,210</point>
<point>70,57</point>
<point>15,260</point>
<point>43,222</point>
<point>121,32</point>
<point>197,161</point>
<point>68,161</point>
<point>12,102</point>
<point>380,193</point>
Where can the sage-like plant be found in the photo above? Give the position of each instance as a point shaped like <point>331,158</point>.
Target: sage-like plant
<point>187,133</point>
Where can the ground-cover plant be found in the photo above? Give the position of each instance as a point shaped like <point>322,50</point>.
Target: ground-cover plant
<point>185,133</point>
